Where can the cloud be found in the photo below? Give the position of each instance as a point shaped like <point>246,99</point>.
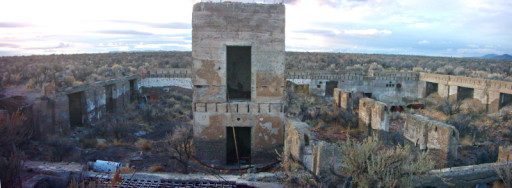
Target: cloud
<point>420,25</point>
<point>124,32</point>
<point>13,24</point>
<point>171,25</point>
<point>9,45</point>
<point>423,42</point>
<point>367,32</point>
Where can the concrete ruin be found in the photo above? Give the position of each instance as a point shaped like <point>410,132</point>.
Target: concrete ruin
<point>343,99</point>
<point>317,156</point>
<point>440,138</point>
<point>57,109</point>
<point>238,77</point>
<point>373,115</point>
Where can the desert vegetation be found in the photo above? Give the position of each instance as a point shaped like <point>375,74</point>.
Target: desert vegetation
<point>32,71</point>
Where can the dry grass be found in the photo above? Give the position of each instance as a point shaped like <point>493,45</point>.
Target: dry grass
<point>144,145</point>
<point>127,170</point>
<point>467,140</point>
<point>118,142</point>
<point>156,168</point>
<point>101,145</point>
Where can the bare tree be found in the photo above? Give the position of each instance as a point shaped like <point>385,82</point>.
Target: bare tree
<point>180,145</point>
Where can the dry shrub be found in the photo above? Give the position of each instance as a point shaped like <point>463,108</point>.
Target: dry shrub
<point>372,165</point>
<point>11,167</point>
<point>156,168</point>
<point>118,142</point>
<point>181,145</point>
<point>101,145</point>
<point>127,170</point>
<point>434,114</point>
<point>14,132</point>
<point>144,145</point>
<point>60,147</point>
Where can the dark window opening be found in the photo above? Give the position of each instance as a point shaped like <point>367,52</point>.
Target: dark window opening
<point>329,87</point>
<point>239,72</point>
<point>318,86</point>
<point>109,98</point>
<point>132,91</point>
<point>464,93</point>
<point>76,106</point>
<point>505,100</point>
<point>369,95</point>
<point>306,140</point>
<point>243,141</point>
<point>398,86</point>
<point>431,88</point>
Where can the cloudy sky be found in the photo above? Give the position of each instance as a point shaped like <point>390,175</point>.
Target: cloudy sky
<point>417,27</point>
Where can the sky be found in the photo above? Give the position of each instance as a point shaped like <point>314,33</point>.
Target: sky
<point>459,28</point>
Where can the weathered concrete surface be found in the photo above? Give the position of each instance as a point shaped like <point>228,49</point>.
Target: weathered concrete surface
<point>486,91</point>
<point>166,82</point>
<point>505,153</point>
<point>463,176</point>
<point>51,174</point>
<point>215,27</point>
<point>260,26</point>
<point>297,139</point>
<point>343,99</point>
<point>373,115</point>
<point>326,157</point>
<point>433,135</point>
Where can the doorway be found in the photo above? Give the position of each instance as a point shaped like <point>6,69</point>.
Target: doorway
<point>243,141</point>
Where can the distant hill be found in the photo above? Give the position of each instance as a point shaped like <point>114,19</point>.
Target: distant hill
<point>495,56</point>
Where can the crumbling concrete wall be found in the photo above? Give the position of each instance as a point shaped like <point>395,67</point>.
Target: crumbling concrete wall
<point>52,112</point>
<point>343,99</point>
<point>442,139</point>
<point>486,91</point>
<point>380,116</point>
<point>298,140</point>
<point>215,27</point>
<point>326,158</point>
<point>373,115</point>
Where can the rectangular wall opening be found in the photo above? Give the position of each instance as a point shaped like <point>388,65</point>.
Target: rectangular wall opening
<point>243,141</point>
<point>464,93</point>
<point>368,95</point>
<point>76,106</point>
<point>329,87</point>
<point>505,100</point>
<point>431,88</point>
<point>238,72</point>
<point>109,98</point>
<point>132,90</point>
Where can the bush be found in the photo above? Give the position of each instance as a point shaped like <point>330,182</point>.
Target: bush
<point>372,165</point>
<point>11,167</point>
<point>156,168</point>
<point>144,145</point>
<point>180,145</point>
<point>60,147</point>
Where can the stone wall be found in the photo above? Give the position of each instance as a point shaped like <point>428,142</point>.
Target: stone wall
<point>440,138</point>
